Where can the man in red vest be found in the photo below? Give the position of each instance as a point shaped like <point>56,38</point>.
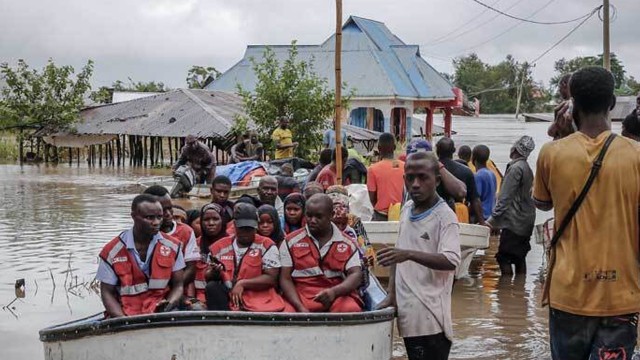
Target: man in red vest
<point>321,269</point>
<point>181,232</point>
<point>141,270</point>
<point>247,265</point>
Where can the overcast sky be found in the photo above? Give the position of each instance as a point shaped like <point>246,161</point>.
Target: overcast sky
<point>160,39</point>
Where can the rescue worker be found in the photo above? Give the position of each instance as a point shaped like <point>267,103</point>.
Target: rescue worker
<point>321,269</point>
<point>213,226</point>
<point>141,270</point>
<point>181,232</point>
<point>247,265</point>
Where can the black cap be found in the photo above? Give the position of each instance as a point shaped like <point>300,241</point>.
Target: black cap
<point>245,215</point>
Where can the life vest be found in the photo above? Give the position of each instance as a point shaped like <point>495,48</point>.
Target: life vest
<point>250,266</point>
<point>462,213</point>
<point>312,272</point>
<point>140,294</point>
<point>200,283</point>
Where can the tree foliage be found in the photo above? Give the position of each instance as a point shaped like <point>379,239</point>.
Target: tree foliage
<point>104,94</point>
<point>49,99</point>
<point>292,89</point>
<point>625,85</point>
<point>497,86</point>
<point>199,76</point>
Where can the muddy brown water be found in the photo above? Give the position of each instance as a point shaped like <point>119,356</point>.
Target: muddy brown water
<point>55,219</point>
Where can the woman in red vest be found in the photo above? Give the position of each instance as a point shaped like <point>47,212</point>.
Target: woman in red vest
<point>247,265</point>
<point>213,225</point>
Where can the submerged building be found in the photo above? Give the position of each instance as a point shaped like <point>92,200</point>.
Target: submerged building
<point>389,79</point>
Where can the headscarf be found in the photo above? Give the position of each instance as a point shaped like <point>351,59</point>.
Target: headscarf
<point>206,240</point>
<point>180,212</point>
<point>277,235</point>
<point>312,187</point>
<point>298,199</point>
<point>524,146</point>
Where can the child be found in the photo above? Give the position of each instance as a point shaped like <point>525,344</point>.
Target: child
<point>269,224</point>
<point>293,213</point>
<point>423,263</point>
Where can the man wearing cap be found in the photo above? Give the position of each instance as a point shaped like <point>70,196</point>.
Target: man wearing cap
<point>515,212</point>
<point>321,269</point>
<point>247,266</point>
<point>199,157</point>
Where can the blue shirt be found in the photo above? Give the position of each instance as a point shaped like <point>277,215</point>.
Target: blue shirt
<point>486,185</point>
<point>329,139</point>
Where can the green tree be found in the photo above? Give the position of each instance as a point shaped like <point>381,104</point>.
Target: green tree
<point>497,86</point>
<point>564,66</point>
<point>199,76</point>
<point>49,99</point>
<point>104,94</point>
<point>293,89</point>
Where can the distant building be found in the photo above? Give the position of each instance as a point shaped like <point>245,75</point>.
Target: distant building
<point>390,78</point>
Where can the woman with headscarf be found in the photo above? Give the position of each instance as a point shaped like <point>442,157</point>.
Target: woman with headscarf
<point>269,224</point>
<point>213,225</point>
<point>293,213</point>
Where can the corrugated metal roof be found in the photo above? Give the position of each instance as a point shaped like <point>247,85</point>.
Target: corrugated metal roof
<point>375,63</point>
<point>177,113</point>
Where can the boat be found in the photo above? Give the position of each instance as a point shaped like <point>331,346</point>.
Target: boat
<point>206,335</point>
<point>472,238</point>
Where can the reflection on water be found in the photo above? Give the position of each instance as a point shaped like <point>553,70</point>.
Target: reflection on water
<point>54,220</point>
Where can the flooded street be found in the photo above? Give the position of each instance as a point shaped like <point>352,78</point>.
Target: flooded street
<point>55,219</point>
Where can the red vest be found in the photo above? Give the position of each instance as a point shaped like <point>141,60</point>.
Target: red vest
<point>200,282</point>
<point>250,266</point>
<point>139,294</point>
<point>182,233</point>
<point>312,272</point>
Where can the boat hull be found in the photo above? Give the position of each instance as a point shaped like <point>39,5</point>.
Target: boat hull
<point>224,335</point>
<point>472,238</point>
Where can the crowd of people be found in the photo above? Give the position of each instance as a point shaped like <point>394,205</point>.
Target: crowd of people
<point>304,251</point>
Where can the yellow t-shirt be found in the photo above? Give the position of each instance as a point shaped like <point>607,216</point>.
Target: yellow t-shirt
<point>596,272</point>
<point>283,137</point>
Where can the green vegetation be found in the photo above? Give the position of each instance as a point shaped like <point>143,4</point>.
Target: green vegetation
<point>497,86</point>
<point>199,76</point>
<point>104,94</point>
<point>292,89</point>
<point>625,85</point>
<point>8,146</point>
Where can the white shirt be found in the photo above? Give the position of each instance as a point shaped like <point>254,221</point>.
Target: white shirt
<point>270,259</point>
<point>191,250</point>
<point>424,295</point>
<point>354,260</point>
<point>106,274</point>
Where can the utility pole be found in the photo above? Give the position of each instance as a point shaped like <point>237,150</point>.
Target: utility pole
<point>606,57</point>
<point>338,111</point>
<point>520,88</point>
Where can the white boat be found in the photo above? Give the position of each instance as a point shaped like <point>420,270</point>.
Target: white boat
<point>206,335</point>
<point>472,239</point>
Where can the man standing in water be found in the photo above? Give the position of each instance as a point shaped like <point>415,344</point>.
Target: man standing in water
<point>594,282</point>
<point>515,213</point>
<point>486,182</point>
<point>141,270</point>
<point>423,263</point>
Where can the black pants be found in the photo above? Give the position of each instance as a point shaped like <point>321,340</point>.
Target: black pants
<point>378,216</point>
<point>217,296</point>
<point>430,347</point>
<point>576,337</point>
<point>513,250</point>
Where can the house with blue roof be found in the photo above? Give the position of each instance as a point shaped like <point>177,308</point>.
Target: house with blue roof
<point>389,78</point>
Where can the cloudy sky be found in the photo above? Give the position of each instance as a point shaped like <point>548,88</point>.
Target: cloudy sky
<point>160,39</point>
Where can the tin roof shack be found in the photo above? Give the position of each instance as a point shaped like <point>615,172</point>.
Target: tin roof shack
<point>143,127</point>
<point>389,78</point>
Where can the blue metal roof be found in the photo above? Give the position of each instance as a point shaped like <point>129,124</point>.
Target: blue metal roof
<point>375,64</point>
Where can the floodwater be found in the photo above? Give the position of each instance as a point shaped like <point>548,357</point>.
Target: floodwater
<point>55,219</point>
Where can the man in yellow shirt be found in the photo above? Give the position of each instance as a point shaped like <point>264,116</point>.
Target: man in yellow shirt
<point>594,292</point>
<point>283,139</point>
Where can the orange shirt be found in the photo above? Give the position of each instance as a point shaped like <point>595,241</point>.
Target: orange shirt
<point>327,177</point>
<point>386,179</point>
<point>596,270</point>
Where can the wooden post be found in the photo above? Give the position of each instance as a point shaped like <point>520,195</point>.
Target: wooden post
<point>130,151</point>
<point>338,110</point>
<point>606,53</point>
<point>152,151</point>
<point>100,155</point>
<point>161,152</point>
<point>78,157</point>
<point>144,149</point>
<point>70,156</point>
<point>170,152</point>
